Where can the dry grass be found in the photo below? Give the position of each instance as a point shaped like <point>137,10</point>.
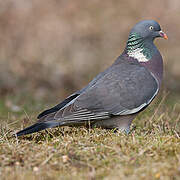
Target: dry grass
<point>150,151</point>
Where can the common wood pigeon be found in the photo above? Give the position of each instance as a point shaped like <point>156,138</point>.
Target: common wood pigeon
<point>114,97</point>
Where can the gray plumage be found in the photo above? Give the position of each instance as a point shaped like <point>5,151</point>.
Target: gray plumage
<point>114,97</point>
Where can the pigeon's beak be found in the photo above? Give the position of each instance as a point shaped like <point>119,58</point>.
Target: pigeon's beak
<point>162,34</point>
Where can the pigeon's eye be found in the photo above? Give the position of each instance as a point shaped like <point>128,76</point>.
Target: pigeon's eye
<point>151,27</point>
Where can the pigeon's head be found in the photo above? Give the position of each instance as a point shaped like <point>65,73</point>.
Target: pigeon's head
<point>148,29</point>
<point>140,42</point>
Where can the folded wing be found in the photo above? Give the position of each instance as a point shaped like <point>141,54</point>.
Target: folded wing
<point>126,89</point>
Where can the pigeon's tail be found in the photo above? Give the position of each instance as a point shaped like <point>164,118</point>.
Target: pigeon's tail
<point>37,127</point>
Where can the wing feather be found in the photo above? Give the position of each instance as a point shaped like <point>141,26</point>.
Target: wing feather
<point>125,89</point>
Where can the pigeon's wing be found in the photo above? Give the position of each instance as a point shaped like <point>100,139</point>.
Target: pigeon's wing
<point>59,106</point>
<point>126,89</point>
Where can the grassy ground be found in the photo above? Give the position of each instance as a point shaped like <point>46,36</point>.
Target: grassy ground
<point>150,151</point>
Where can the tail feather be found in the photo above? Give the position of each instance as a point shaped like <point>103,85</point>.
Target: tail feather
<point>37,127</point>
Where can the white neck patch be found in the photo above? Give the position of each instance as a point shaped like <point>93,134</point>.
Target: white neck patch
<point>137,54</point>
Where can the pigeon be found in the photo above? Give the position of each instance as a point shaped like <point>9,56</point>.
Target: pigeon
<point>114,97</point>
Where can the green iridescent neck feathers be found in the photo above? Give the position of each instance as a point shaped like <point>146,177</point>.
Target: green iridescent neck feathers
<point>138,48</point>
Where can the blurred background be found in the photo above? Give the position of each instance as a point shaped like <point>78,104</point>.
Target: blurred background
<point>50,48</point>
